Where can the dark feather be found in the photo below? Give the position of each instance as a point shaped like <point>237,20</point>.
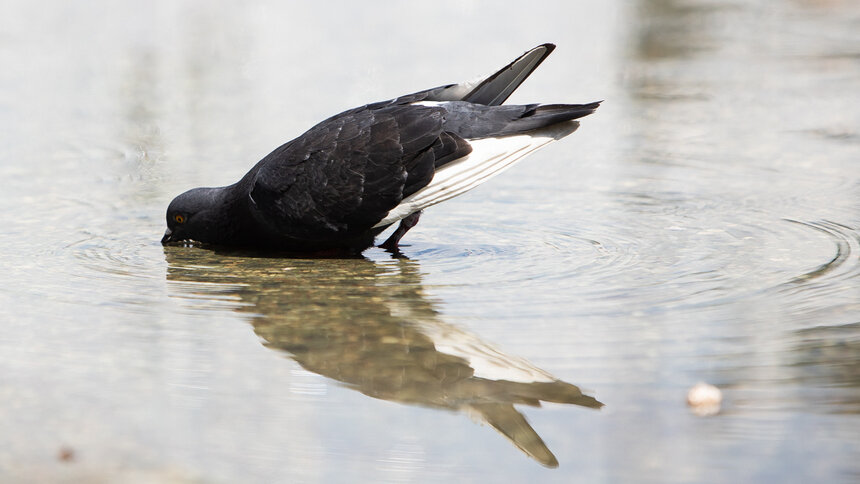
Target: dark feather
<point>496,89</point>
<point>346,173</point>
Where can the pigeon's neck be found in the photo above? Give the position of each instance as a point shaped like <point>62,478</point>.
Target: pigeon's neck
<point>227,217</point>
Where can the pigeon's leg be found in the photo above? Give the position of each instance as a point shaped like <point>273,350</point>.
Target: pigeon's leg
<point>405,224</point>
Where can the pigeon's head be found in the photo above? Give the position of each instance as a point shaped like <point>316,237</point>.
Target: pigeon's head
<point>194,215</point>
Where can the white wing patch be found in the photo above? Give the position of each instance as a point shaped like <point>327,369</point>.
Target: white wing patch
<point>489,157</point>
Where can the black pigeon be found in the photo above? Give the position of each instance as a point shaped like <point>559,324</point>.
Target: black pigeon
<point>333,189</point>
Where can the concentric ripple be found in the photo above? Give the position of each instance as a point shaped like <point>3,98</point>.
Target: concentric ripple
<point>845,262</point>
<point>112,268</point>
<point>120,258</point>
<point>827,283</point>
<point>484,256</point>
<point>667,260</point>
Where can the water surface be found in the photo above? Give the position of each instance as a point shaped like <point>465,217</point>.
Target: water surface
<point>703,225</point>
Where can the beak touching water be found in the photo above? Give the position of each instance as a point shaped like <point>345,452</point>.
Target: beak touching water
<point>168,237</point>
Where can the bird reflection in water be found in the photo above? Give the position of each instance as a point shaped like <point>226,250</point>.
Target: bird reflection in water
<point>369,326</point>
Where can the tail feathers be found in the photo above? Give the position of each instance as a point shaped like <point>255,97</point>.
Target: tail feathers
<point>495,89</point>
<point>564,112</point>
<point>539,116</point>
<point>511,120</point>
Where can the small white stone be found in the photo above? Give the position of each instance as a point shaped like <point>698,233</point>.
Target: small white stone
<point>704,399</point>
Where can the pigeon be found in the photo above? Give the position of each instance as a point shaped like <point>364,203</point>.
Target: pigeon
<point>335,188</point>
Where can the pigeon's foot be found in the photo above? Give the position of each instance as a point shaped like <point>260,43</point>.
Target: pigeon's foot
<point>406,223</point>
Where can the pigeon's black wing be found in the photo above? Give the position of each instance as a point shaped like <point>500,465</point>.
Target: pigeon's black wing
<point>339,179</point>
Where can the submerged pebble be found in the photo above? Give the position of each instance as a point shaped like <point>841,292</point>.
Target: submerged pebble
<point>66,454</point>
<point>704,399</point>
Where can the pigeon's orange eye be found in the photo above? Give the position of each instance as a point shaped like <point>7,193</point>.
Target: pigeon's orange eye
<point>179,218</point>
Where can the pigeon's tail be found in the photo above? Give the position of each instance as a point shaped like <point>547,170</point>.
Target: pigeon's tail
<point>539,116</point>
<point>496,88</point>
<point>556,113</point>
<point>475,122</point>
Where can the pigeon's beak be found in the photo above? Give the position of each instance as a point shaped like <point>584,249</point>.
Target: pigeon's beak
<point>168,237</point>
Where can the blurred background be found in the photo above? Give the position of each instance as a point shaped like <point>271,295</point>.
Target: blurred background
<point>702,225</point>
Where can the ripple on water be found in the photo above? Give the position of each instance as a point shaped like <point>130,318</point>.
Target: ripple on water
<point>845,262</point>
<point>827,283</point>
<point>606,267</point>
<point>121,270</point>
<point>544,255</point>
<point>667,261</point>
<point>116,257</point>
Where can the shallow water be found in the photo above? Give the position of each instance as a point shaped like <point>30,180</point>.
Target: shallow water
<point>703,225</point>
